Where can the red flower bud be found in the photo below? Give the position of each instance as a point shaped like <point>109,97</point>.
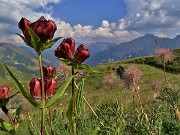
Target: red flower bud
<point>4,92</point>
<point>35,88</point>
<point>23,25</point>
<point>50,85</point>
<point>49,71</point>
<point>81,53</point>
<point>43,28</point>
<point>66,49</point>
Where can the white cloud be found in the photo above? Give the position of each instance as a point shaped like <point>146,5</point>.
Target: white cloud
<point>122,24</point>
<point>108,32</point>
<point>159,17</point>
<point>105,24</point>
<point>160,34</point>
<point>153,16</point>
<point>13,10</point>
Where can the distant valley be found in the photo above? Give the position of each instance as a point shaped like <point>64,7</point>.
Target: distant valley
<point>24,58</point>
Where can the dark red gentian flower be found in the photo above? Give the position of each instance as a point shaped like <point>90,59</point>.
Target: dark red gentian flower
<point>43,28</point>
<point>81,53</point>
<point>66,50</point>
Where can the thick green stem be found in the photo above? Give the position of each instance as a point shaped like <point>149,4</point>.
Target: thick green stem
<point>43,98</point>
<point>73,103</point>
<point>43,121</point>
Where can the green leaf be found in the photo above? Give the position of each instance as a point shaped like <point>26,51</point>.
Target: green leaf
<point>7,127</point>
<point>50,44</point>
<point>35,40</point>
<point>66,61</point>
<point>79,97</point>
<point>24,39</point>
<point>69,113</point>
<point>95,131</point>
<point>59,93</point>
<point>24,92</point>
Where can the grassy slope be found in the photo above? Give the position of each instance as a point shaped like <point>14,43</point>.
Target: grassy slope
<point>125,96</point>
<point>151,69</point>
<point>173,66</point>
<point>16,57</point>
<point>96,94</point>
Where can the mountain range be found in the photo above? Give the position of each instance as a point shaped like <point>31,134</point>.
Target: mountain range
<point>24,58</point>
<point>98,47</point>
<point>142,46</point>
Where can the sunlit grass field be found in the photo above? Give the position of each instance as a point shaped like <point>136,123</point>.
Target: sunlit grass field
<point>116,97</point>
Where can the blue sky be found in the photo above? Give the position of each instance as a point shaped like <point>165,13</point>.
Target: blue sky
<point>89,12</point>
<point>89,21</point>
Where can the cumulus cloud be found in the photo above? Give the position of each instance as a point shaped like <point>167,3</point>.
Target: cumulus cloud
<point>105,24</point>
<point>108,32</point>
<point>152,16</point>
<point>13,10</point>
<point>159,17</point>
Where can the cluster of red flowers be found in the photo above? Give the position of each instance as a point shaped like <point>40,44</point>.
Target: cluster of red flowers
<point>45,30</point>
